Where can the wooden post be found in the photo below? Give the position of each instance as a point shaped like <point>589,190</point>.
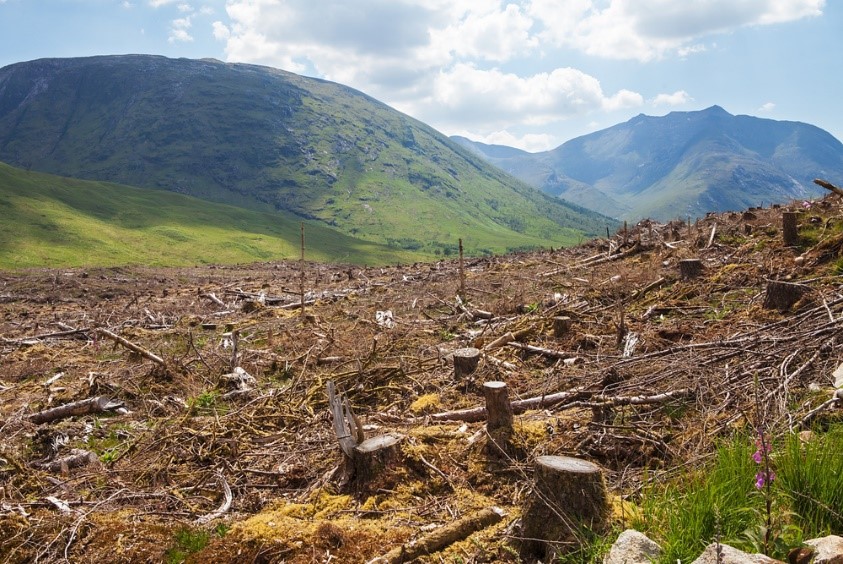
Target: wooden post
<point>465,361</point>
<point>782,295</point>
<point>690,268</point>
<point>561,325</point>
<point>569,497</point>
<point>790,234</point>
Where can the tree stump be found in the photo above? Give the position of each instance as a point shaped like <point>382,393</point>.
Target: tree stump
<point>499,419</point>
<point>569,497</point>
<point>790,234</point>
<point>466,361</point>
<point>371,457</point>
<point>690,268</point>
<point>561,325</point>
<point>782,295</point>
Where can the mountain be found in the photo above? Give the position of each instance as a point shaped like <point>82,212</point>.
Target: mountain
<point>270,140</point>
<point>682,164</point>
<point>59,222</point>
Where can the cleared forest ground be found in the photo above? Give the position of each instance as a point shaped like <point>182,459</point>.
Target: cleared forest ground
<point>195,460</point>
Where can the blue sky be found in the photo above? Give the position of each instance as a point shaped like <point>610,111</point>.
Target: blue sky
<point>530,74</point>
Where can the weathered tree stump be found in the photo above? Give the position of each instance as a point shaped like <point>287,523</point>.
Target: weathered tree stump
<point>499,419</point>
<point>561,325</point>
<point>690,268</point>
<point>466,361</point>
<point>790,234</point>
<point>782,295</point>
<point>569,497</point>
<point>371,457</point>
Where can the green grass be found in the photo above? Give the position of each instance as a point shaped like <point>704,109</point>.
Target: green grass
<point>686,513</point>
<point>57,222</point>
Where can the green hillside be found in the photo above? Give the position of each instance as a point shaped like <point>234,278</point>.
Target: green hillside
<point>270,140</point>
<point>55,221</point>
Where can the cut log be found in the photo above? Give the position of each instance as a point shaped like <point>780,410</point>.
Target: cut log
<point>441,537</point>
<point>569,497</point>
<point>782,295</point>
<point>690,268</point>
<point>828,186</point>
<point>465,361</point>
<point>790,233</point>
<point>561,325</point>
<point>131,346</point>
<point>82,407</point>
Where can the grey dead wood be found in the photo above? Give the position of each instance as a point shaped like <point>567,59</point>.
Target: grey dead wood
<point>87,406</point>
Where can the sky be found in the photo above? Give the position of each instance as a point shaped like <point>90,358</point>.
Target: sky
<point>530,74</point>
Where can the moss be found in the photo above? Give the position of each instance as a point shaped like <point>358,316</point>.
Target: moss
<point>425,404</point>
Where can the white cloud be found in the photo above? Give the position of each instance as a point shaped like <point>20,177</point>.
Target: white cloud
<point>185,8</point>
<point>767,107</point>
<point>490,99</point>
<point>530,142</point>
<point>649,29</point>
<point>159,3</point>
<point>490,35</point>
<point>221,31</point>
<point>179,30</point>
<point>678,98</point>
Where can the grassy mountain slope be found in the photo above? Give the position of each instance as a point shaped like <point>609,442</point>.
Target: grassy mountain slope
<point>683,164</point>
<point>56,221</point>
<point>270,140</point>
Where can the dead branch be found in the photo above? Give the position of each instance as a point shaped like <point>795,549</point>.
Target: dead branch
<point>519,406</point>
<point>131,346</point>
<point>348,430</point>
<point>442,537</point>
<point>223,509</point>
<point>561,355</point>
<point>829,186</point>
<point>76,458</point>
<point>82,407</point>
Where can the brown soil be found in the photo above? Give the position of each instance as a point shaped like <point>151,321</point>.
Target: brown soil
<point>638,331</point>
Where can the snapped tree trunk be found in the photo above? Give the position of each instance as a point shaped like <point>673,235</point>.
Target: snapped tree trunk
<point>499,419</point>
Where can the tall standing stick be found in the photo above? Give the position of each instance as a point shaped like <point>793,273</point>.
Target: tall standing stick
<point>301,273</point>
<point>462,273</point>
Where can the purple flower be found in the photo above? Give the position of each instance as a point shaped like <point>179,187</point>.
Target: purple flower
<point>762,478</point>
<point>756,456</point>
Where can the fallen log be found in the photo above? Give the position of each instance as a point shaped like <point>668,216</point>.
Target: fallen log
<point>441,537</point>
<point>571,397</point>
<point>75,459</point>
<point>82,407</point>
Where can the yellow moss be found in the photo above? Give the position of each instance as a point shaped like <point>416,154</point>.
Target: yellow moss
<point>530,432</point>
<point>425,404</point>
<point>623,511</point>
<point>321,504</point>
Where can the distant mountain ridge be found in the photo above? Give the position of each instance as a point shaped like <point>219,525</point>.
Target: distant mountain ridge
<point>682,164</point>
<point>268,140</point>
